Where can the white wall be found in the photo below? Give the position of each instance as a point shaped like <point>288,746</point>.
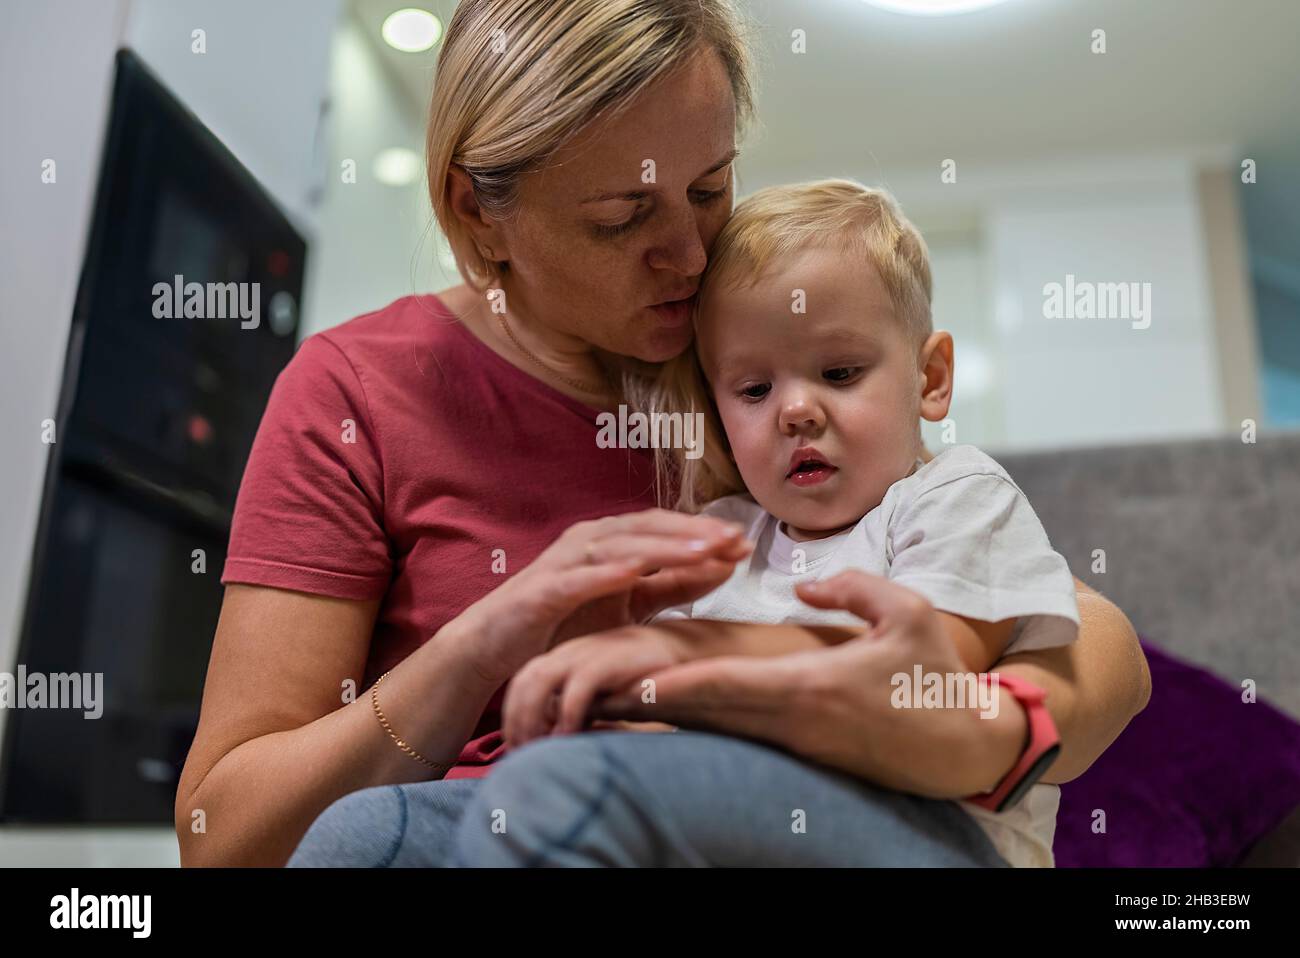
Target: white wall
<point>375,242</point>
<point>260,88</point>
<point>1099,381</point>
<point>1002,231</point>
<point>54,89</point>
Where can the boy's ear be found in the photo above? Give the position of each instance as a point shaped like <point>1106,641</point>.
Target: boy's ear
<point>936,362</point>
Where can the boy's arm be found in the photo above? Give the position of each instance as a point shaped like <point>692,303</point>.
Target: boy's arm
<point>979,643</point>
<point>711,638</point>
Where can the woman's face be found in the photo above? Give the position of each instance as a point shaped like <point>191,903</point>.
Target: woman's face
<point>625,215</point>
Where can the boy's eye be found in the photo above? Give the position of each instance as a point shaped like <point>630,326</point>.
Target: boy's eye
<point>756,390</point>
<point>841,374</point>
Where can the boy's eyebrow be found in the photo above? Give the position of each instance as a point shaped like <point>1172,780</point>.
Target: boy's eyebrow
<point>867,340</point>
<point>735,362</point>
<point>856,336</point>
<point>642,194</point>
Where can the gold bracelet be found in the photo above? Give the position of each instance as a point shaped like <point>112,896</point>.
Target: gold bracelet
<point>374,700</point>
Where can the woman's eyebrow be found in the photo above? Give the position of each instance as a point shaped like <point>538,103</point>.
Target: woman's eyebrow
<point>721,163</point>
<point>642,194</point>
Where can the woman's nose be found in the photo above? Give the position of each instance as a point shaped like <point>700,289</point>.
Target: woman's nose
<point>680,246</point>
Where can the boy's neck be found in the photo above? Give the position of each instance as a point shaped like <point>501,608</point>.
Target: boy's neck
<point>810,535</point>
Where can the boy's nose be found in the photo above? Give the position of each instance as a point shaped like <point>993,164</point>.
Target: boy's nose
<point>801,415</point>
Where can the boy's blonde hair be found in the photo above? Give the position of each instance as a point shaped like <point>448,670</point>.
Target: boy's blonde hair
<point>864,224</point>
<point>775,224</point>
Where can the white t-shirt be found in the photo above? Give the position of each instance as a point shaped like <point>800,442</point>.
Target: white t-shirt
<point>958,531</point>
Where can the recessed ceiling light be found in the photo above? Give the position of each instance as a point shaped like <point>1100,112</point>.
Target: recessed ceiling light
<point>933,8</point>
<point>397,166</point>
<point>411,30</point>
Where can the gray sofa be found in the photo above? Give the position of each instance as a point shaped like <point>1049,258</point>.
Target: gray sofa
<point>1202,544</point>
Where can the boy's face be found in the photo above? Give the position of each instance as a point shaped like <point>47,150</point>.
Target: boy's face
<point>838,384</point>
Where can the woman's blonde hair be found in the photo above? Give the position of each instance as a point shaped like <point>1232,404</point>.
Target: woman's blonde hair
<point>517,79</point>
<point>774,225</point>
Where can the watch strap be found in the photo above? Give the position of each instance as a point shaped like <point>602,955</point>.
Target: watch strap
<point>1041,748</point>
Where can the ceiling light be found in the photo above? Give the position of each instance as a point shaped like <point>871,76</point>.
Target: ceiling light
<point>397,166</point>
<point>933,8</point>
<point>411,30</point>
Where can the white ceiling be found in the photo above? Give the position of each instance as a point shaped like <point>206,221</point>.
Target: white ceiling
<point>412,71</point>
<point>1012,82</point>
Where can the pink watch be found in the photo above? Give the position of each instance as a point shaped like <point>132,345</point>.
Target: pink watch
<point>1040,751</point>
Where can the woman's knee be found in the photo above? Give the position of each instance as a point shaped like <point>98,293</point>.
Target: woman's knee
<point>361,830</point>
<point>554,799</point>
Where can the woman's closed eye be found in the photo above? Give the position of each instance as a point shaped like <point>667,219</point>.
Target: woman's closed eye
<point>612,230</point>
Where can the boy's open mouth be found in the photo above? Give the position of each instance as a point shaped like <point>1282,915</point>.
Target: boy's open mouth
<point>807,467</point>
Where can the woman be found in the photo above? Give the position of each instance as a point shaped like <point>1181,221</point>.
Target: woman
<point>426,508</point>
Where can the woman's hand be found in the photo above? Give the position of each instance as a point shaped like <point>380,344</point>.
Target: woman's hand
<point>834,704</point>
<point>598,574</point>
<point>553,693</point>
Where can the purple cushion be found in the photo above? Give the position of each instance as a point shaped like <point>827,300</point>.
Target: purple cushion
<point>1195,780</point>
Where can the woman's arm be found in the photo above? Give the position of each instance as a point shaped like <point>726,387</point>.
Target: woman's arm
<point>832,705</point>
<point>1094,686</point>
<point>276,743</point>
<point>278,740</point>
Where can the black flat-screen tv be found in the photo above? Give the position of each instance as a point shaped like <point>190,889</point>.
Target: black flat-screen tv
<point>186,311</point>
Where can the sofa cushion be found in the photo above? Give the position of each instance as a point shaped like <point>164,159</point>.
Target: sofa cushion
<point>1195,780</point>
<point>1199,543</point>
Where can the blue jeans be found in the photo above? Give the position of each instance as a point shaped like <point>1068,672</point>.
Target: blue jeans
<point>644,799</point>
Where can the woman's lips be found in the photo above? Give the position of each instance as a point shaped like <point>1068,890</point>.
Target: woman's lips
<point>675,314</point>
<point>812,475</point>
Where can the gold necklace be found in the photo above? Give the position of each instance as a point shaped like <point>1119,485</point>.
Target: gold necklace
<point>605,390</point>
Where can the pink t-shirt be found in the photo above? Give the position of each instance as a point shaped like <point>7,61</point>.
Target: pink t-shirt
<point>396,455</point>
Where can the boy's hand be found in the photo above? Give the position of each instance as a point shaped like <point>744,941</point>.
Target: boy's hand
<point>554,692</point>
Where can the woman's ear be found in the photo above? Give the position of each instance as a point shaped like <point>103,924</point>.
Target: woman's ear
<point>486,233</point>
<point>936,366</point>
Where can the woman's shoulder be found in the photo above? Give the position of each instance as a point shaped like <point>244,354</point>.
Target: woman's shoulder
<point>396,337</point>
<point>414,346</point>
